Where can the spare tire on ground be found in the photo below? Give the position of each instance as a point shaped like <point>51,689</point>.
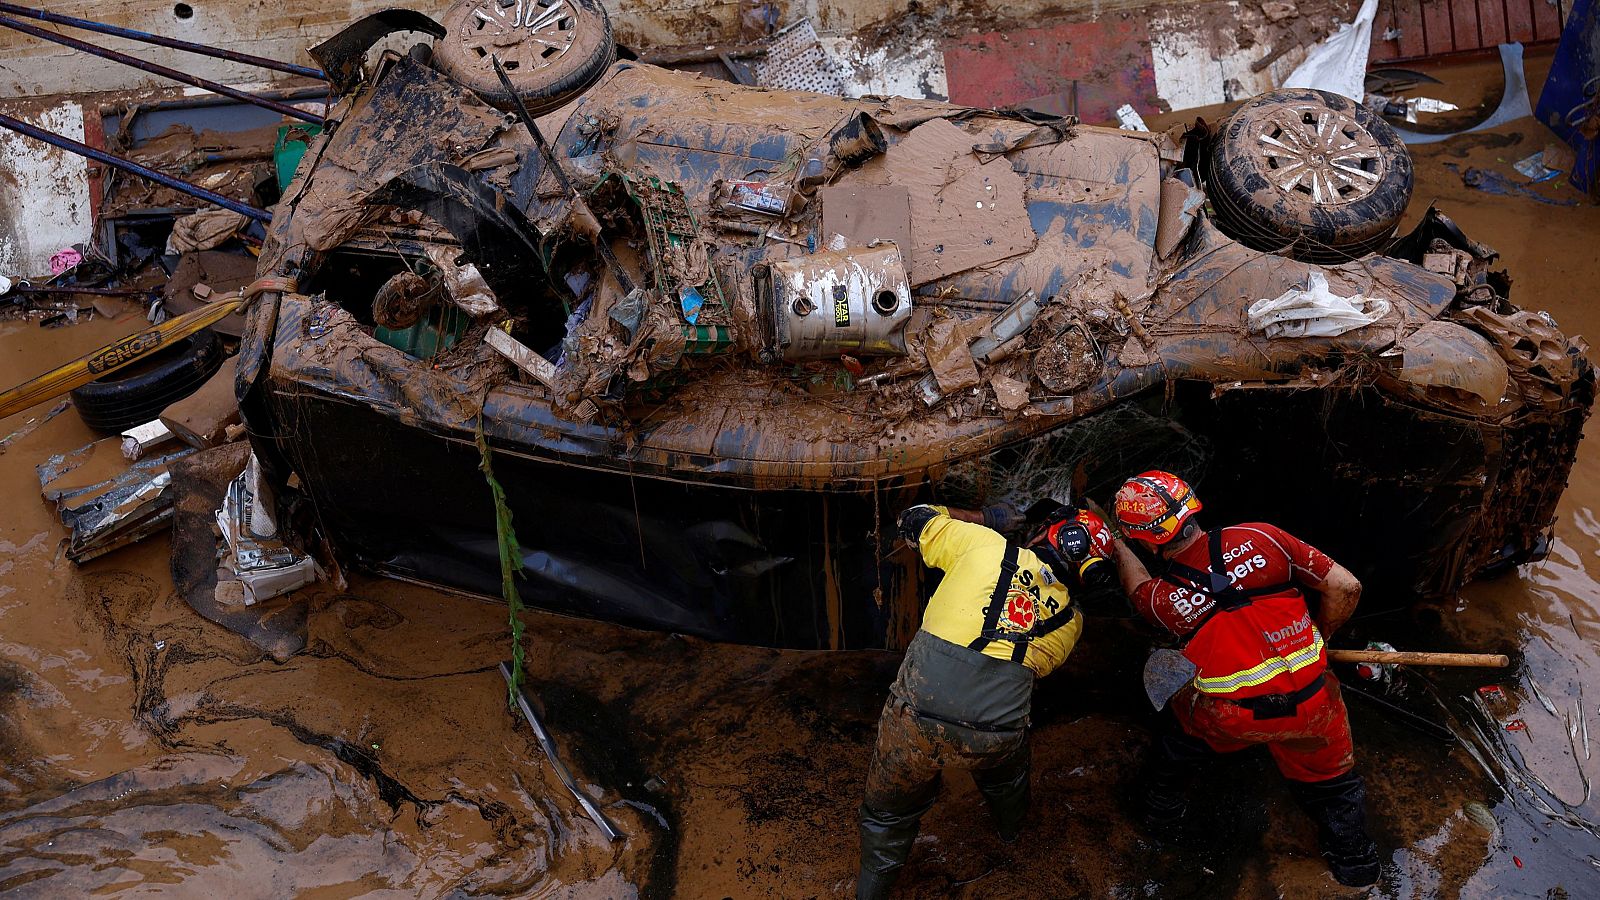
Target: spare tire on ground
<point>1308,172</point>
<point>552,50</point>
<point>137,393</point>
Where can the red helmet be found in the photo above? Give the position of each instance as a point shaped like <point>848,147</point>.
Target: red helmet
<point>1153,506</point>
<point>1078,538</point>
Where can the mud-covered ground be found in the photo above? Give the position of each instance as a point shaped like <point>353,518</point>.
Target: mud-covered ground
<point>144,748</point>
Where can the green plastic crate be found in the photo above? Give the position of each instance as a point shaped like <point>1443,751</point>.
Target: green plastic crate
<point>286,154</point>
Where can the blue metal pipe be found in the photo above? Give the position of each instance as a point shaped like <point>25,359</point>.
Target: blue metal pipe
<point>148,38</point>
<point>215,87</point>
<point>128,165</point>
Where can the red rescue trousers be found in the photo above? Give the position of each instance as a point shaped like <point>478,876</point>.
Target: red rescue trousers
<point>1311,745</point>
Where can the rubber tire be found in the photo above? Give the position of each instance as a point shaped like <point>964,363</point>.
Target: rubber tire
<point>133,396</point>
<point>592,52</point>
<point>1258,215</point>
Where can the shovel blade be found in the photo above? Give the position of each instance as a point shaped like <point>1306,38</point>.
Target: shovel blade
<point>1165,674</point>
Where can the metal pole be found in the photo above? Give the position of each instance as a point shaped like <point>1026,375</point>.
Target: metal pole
<point>128,165</point>
<point>549,744</point>
<point>74,289</point>
<point>146,37</point>
<point>163,71</point>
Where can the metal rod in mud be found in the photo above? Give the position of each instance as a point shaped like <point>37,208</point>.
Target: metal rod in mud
<point>1419,723</point>
<point>128,165</point>
<point>75,289</point>
<point>215,87</point>
<point>549,745</point>
<point>580,208</point>
<point>160,40</point>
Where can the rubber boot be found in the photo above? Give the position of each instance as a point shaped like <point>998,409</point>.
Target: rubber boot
<point>1166,779</point>
<point>886,839</point>
<point>1008,789</point>
<point>1337,805</point>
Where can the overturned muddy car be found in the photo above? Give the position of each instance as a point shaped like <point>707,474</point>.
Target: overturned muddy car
<point>720,335</point>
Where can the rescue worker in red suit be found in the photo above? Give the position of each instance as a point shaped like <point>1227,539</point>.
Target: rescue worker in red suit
<point>1236,597</point>
<point>1000,618</point>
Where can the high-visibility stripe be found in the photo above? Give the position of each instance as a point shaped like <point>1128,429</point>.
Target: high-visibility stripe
<point>1266,671</point>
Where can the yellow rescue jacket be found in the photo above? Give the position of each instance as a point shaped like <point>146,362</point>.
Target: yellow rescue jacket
<point>1029,619</point>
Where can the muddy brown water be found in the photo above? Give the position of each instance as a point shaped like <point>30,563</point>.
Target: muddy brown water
<point>143,749</point>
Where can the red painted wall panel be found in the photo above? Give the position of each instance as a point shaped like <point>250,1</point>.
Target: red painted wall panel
<point>1546,20</point>
<point>1519,19</point>
<point>1492,22</point>
<point>1408,16</point>
<point>1437,35</point>
<point>1432,27</point>
<point>1110,59</point>
<point>1464,25</point>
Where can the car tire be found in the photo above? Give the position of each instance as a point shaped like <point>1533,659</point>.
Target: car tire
<point>549,58</point>
<point>1310,173</point>
<point>137,394</point>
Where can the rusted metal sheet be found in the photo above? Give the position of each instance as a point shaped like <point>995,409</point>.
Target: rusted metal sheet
<point>1109,58</point>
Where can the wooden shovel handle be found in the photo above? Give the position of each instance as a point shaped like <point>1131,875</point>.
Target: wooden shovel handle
<point>132,348</point>
<point>1406,658</point>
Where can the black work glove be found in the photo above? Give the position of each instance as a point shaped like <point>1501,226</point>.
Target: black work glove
<point>1002,517</point>
<point>912,520</point>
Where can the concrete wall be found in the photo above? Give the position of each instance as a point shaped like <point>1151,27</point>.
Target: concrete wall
<point>44,194</point>
<point>283,29</point>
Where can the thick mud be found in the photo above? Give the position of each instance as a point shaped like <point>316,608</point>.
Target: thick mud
<point>145,748</point>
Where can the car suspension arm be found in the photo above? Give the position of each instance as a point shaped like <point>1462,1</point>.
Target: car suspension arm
<point>580,208</point>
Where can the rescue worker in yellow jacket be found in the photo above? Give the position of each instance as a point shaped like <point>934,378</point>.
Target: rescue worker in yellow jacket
<point>1001,618</point>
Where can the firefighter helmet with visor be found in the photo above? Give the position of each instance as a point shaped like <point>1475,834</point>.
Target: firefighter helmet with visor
<point>1153,506</point>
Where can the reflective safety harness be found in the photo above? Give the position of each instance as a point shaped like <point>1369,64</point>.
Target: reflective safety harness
<point>1215,584</point>
<point>1227,597</point>
<point>997,606</point>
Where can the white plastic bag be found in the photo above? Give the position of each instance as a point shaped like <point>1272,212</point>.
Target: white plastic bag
<point>1339,62</point>
<point>1314,311</point>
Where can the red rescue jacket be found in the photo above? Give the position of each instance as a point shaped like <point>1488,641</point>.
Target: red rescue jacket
<point>1249,630</point>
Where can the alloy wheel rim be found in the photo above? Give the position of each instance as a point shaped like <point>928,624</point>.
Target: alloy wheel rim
<point>527,35</point>
<point>1318,155</point>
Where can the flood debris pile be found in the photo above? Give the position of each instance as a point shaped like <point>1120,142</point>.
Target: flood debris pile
<point>761,290</point>
<point>756,292</point>
<point>737,323</point>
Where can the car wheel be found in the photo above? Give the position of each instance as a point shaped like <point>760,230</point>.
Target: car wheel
<point>1309,172</point>
<point>552,50</point>
<point>136,394</point>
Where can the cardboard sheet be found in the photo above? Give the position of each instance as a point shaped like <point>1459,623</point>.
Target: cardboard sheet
<point>202,418</point>
<point>864,213</point>
<point>964,213</point>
